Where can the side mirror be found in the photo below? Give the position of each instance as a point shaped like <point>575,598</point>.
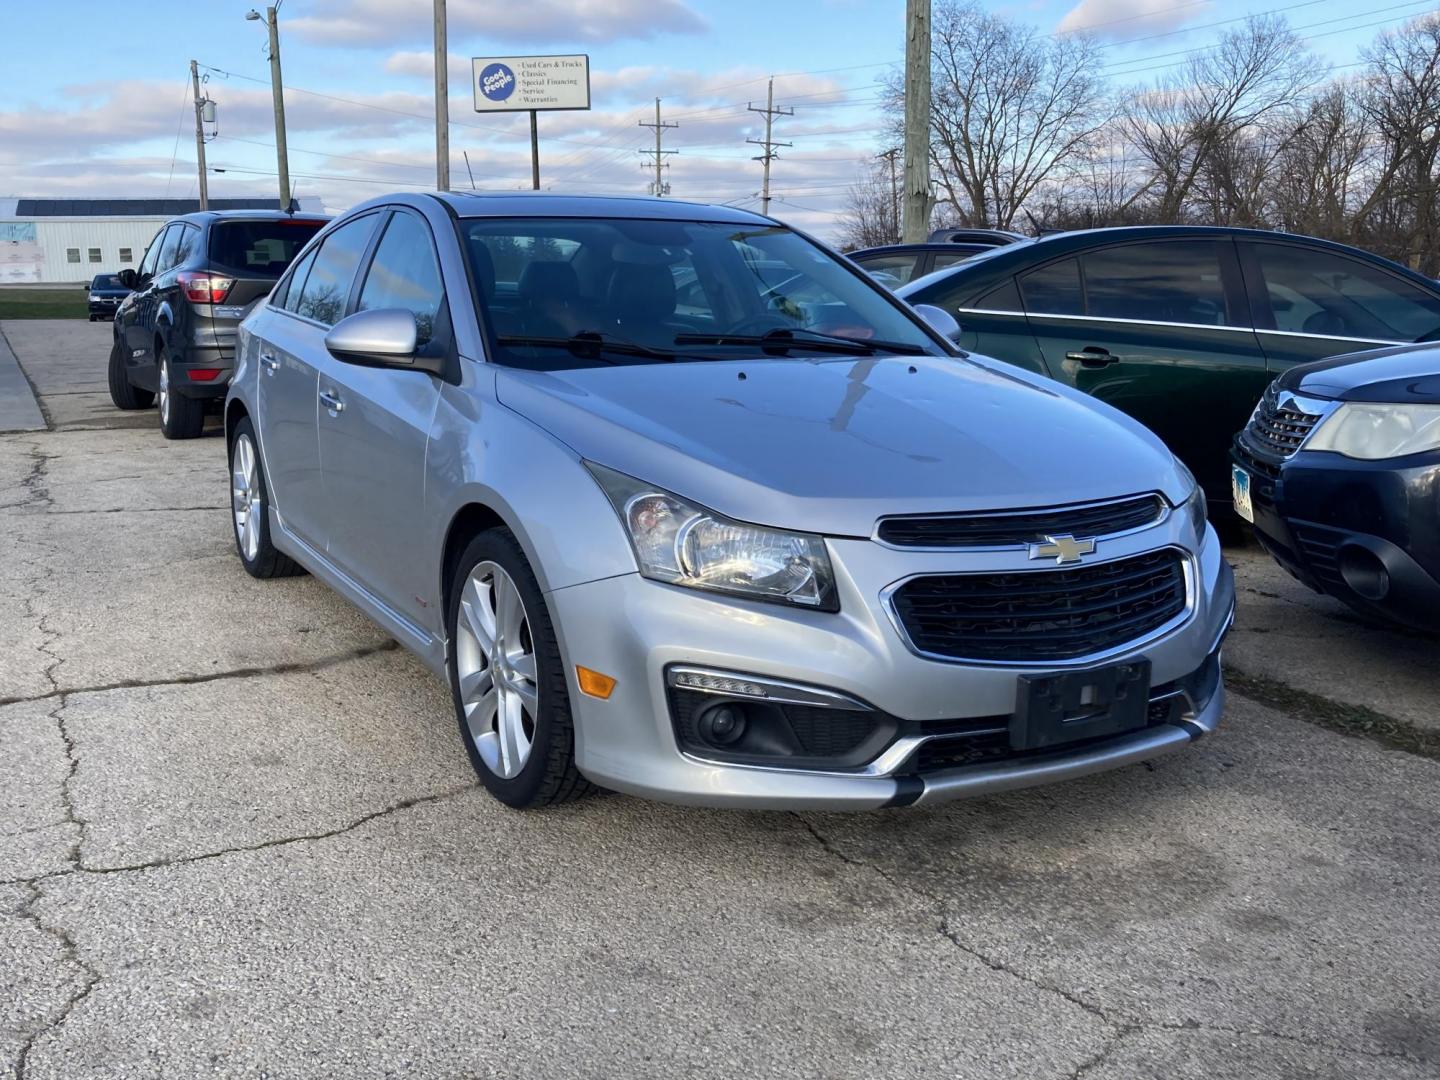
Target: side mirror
<point>381,337</point>
<point>128,279</point>
<point>940,320</point>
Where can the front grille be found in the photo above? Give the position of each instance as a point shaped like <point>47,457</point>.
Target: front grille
<point>1040,615</point>
<point>1277,430</point>
<point>1014,528</point>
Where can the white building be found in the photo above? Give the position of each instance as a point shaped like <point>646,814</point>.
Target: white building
<point>72,240</point>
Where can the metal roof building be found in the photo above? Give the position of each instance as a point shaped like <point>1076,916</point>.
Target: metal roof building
<point>71,240</point>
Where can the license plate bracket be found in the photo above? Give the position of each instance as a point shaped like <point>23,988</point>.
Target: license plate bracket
<point>1052,710</point>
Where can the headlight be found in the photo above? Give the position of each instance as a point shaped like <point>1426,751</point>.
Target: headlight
<point>1194,503</point>
<point>94,297</point>
<point>678,542</point>
<point>1373,431</point>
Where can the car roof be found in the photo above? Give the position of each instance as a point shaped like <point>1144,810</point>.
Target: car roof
<point>549,204</point>
<point>929,245</point>
<point>201,217</point>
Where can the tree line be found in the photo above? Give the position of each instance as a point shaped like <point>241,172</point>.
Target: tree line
<point>1027,132</point>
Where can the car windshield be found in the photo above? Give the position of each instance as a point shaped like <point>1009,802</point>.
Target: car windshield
<point>106,281</point>
<point>563,293</point>
<point>260,248</point>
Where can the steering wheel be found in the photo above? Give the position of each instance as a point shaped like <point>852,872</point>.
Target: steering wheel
<point>759,324</point>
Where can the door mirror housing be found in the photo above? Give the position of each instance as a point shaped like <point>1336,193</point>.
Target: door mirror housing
<point>940,320</point>
<point>381,337</point>
<point>128,279</point>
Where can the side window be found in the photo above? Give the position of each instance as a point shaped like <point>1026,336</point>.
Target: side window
<point>1322,293</point>
<point>1004,297</point>
<point>889,270</point>
<point>152,255</point>
<point>1053,289</point>
<point>189,237</point>
<point>327,288</point>
<point>951,258</point>
<point>168,248</point>
<point>288,293</point>
<point>72,255</point>
<point>404,274</point>
<point>1168,281</point>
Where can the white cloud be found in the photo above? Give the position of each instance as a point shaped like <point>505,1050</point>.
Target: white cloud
<point>1123,20</point>
<point>379,22</point>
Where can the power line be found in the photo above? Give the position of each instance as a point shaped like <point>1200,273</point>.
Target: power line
<point>659,188</point>
<point>770,111</point>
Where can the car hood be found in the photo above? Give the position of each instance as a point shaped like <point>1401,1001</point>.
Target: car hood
<point>1405,373</point>
<point>831,445</point>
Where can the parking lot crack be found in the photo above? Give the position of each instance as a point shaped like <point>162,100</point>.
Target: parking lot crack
<point>89,979</point>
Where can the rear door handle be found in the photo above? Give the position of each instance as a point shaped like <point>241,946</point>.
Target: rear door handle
<point>331,401</point>
<point>1093,356</point>
<point>269,363</point>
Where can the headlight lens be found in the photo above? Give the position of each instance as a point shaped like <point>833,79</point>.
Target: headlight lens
<point>1194,504</point>
<point>678,542</point>
<point>93,296</point>
<point>1369,431</point>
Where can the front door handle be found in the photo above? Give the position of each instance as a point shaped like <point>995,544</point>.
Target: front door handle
<point>1093,356</point>
<point>269,363</point>
<point>331,401</point>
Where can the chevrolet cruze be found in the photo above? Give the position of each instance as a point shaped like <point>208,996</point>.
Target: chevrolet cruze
<point>683,505</point>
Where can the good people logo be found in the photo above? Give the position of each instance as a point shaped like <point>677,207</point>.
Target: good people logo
<point>497,82</point>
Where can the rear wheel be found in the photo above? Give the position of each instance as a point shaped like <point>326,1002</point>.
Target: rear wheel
<point>507,679</point>
<point>124,393</point>
<point>180,417</point>
<point>250,506</point>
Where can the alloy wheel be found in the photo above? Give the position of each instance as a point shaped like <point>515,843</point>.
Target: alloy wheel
<point>164,391</point>
<point>495,666</point>
<point>245,498</point>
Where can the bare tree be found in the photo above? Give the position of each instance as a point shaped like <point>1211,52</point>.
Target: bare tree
<point>1012,110</point>
<point>872,212</point>
<point>1322,176</point>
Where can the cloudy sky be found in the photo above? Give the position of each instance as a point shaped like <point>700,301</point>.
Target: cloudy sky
<point>96,98</point>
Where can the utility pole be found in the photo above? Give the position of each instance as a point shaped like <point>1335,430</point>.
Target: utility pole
<point>200,135</point>
<point>442,101</point>
<point>277,91</point>
<point>917,121</point>
<point>534,152</point>
<point>768,143</point>
<point>660,187</point>
<point>891,155</point>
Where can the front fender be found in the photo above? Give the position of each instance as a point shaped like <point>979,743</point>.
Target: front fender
<point>482,452</point>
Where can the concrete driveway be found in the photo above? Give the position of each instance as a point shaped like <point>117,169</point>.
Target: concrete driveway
<point>240,838</point>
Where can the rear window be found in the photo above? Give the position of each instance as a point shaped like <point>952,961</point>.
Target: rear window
<point>259,248</point>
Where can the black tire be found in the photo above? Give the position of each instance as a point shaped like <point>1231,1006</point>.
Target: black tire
<point>549,774</point>
<point>267,560</point>
<point>124,393</point>
<point>180,417</point>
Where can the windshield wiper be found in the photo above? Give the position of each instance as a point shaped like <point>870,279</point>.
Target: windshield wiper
<point>590,344</point>
<point>785,338</point>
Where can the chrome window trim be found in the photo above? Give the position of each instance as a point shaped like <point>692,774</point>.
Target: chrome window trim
<point>1186,614</point>
<point>1160,519</point>
<point>1180,325</point>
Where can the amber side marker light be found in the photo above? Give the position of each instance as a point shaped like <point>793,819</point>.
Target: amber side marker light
<point>594,683</point>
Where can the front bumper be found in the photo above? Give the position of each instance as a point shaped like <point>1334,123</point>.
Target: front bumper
<point>1334,523</point>
<point>636,630</point>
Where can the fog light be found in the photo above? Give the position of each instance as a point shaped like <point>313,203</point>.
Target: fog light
<point>1364,572</point>
<point>594,683</point>
<point>722,725</point>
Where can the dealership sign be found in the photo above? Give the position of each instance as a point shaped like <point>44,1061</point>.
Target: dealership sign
<point>531,83</point>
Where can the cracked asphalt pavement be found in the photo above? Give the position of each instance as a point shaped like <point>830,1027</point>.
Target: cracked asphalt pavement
<point>240,838</point>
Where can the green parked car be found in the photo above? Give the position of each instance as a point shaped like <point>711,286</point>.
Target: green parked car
<point>1181,327</point>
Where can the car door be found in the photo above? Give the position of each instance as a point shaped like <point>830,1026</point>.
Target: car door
<point>1160,329</point>
<point>375,426</point>
<point>291,352</point>
<point>1311,302</point>
<point>144,307</point>
<point>993,323</point>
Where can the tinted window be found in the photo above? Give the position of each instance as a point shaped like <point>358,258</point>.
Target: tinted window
<point>1053,289</point>
<point>327,288</point>
<point>1172,281</point>
<point>287,293</point>
<point>260,248</point>
<point>189,240</point>
<point>950,258</point>
<point>1005,297</point>
<point>1319,292</point>
<point>890,270</point>
<point>168,247</point>
<point>404,274</point>
<point>152,254</point>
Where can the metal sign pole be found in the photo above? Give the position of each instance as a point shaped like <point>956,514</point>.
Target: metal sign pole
<point>534,151</point>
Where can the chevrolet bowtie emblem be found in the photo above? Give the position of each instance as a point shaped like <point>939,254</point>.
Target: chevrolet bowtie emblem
<point>1063,549</point>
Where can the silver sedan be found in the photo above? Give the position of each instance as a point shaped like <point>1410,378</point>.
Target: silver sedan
<point>682,504</point>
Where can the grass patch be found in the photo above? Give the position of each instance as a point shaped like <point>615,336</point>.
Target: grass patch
<point>27,303</point>
<point>1357,721</point>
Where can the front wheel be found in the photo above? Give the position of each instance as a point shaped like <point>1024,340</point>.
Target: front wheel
<point>180,417</point>
<point>124,393</point>
<point>507,678</point>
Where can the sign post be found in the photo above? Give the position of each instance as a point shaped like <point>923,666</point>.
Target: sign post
<point>532,84</point>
